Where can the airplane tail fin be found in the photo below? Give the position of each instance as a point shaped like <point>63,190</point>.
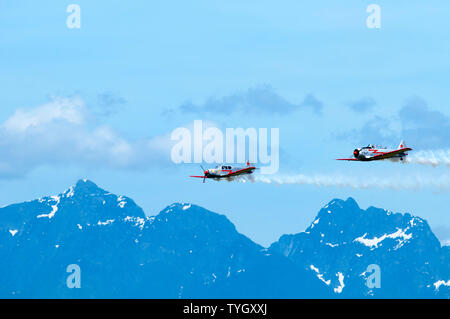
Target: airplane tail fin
<point>401,145</point>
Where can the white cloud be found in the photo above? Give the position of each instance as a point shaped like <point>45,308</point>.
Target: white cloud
<point>71,110</point>
<point>63,132</point>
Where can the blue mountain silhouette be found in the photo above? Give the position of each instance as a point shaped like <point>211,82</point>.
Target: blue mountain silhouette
<point>344,240</point>
<point>187,251</point>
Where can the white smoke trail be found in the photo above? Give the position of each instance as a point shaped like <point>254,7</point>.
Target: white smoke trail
<point>401,182</point>
<point>433,158</point>
<point>238,178</point>
<point>417,182</point>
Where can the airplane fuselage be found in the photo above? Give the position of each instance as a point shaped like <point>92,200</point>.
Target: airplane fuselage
<point>222,171</point>
<point>370,154</point>
<point>376,153</point>
<point>226,172</point>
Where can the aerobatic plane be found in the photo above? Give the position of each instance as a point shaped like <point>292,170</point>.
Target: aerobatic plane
<point>226,171</point>
<point>375,153</point>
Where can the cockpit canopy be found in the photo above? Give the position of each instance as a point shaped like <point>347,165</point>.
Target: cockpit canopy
<point>372,146</point>
<point>223,167</point>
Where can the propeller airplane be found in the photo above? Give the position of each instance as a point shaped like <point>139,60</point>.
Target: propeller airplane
<point>374,153</point>
<point>226,171</point>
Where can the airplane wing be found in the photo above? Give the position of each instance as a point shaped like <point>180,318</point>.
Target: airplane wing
<point>391,154</point>
<point>200,176</point>
<point>346,159</point>
<point>241,171</point>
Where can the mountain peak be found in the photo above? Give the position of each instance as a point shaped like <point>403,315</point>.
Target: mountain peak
<point>340,203</point>
<point>177,207</point>
<point>84,187</point>
<point>190,216</point>
<point>85,183</point>
<point>343,221</point>
<point>339,207</point>
<point>87,196</point>
<point>351,202</point>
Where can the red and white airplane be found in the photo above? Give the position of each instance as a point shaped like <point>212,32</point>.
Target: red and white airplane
<point>375,153</point>
<point>226,171</point>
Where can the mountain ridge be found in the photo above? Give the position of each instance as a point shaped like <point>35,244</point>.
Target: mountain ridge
<point>367,237</point>
<point>197,253</point>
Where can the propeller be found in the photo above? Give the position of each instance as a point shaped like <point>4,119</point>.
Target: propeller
<point>205,172</point>
<point>356,153</point>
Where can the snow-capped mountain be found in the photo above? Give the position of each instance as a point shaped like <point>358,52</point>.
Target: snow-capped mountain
<point>344,240</point>
<point>186,251</point>
<point>183,252</point>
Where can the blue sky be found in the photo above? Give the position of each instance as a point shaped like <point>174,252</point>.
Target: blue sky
<point>129,64</point>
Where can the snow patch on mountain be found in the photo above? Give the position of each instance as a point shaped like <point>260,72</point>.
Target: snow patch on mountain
<point>341,286</point>
<point>314,223</point>
<point>439,283</point>
<point>70,192</point>
<point>375,241</point>
<point>138,221</point>
<point>319,275</point>
<point>50,215</point>
<point>121,201</point>
<point>106,222</point>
